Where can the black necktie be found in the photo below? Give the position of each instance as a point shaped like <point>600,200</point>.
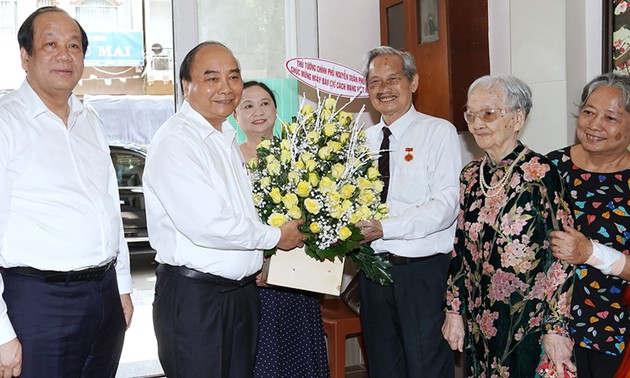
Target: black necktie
<point>383,162</point>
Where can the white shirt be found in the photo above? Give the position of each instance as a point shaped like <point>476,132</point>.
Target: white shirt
<point>59,205</point>
<point>200,211</point>
<point>423,197</point>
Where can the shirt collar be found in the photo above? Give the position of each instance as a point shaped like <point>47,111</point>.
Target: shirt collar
<point>35,106</point>
<point>203,127</point>
<point>399,126</point>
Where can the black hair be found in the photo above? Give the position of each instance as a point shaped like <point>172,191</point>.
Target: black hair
<point>184,69</point>
<point>254,83</point>
<point>25,33</point>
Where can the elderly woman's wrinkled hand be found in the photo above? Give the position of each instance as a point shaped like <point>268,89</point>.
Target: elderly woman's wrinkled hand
<point>560,349</point>
<point>571,246</point>
<point>453,331</point>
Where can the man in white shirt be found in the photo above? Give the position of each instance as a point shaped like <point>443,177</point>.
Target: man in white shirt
<point>65,277</point>
<point>420,164</point>
<point>204,227</point>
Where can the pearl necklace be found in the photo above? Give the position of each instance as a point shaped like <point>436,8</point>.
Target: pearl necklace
<point>493,189</point>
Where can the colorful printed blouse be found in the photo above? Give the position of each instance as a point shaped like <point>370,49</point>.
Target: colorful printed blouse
<point>503,278</point>
<point>601,202</point>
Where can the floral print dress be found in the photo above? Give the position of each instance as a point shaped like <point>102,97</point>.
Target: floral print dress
<point>601,206</point>
<point>503,278</point>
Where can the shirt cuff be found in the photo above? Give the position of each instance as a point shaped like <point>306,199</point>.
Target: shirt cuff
<point>6,330</point>
<point>272,237</point>
<point>124,283</point>
<point>390,229</point>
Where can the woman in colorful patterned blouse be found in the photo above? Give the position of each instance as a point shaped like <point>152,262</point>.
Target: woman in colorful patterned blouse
<point>597,175</point>
<point>508,297</point>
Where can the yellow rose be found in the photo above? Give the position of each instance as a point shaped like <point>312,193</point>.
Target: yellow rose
<point>377,185</point>
<point>275,195</point>
<point>345,118</point>
<point>306,156</point>
<point>292,127</point>
<point>333,197</point>
<point>343,138</point>
<point>324,153</point>
<point>337,170</point>
<point>329,129</point>
<point>293,177</point>
<point>336,211</point>
<point>325,114</point>
<point>313,179</point>
<point>289,200</point>
<point>335,146</point>
<point>299,165</point>
<point>273,168</point>
<point>277,220</point>
<point>310,165</point>
<point>364,183</point>
<point>303,189</point>
<point>313,136</point>
<point>284,144</point>
<point>373,173</point>
<point>311,205</point>
<point>366,197</point>
<point>347,191</point>
<point>355,162</point>
<point>330,103</point>
<point>344,233</point>
<point>314,227</point>
<point>306,109</point>
<point>295,212</point>
<point>361,134</point>
<point>285,156</point>
<point>345,205</point>
<point>326,185</point>
<point>265,182</point>
<point>355,217</point>
<point>365,212</point>
<point>265,143</point>
<point>382,208</point>
<point>252,163</point>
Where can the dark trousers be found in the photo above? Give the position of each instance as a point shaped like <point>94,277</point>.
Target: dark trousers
<point>402,322</point>
<point>73,329</point>
<point>205,329</point>
<point>594,364</point>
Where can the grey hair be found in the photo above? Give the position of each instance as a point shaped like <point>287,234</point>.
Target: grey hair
<point>408,62</point>
<point>518,95</point>
<point>608,80</point>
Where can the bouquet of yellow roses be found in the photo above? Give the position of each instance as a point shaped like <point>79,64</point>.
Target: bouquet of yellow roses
<point>321,170</point>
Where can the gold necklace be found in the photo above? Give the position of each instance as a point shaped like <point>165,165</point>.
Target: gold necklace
<point>493,190</point>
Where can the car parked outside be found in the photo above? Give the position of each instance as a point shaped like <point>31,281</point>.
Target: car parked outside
<point>129,160</point>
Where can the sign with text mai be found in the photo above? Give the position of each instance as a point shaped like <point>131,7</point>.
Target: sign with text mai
<point>328,77</point>
<point>115,49</point>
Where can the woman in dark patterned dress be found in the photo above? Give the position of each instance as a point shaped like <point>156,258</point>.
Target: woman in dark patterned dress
<point>291,341</point>
<point>597,174</point>
<point>508,298</point>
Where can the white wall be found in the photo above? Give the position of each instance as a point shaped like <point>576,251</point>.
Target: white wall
<point>555,46</point>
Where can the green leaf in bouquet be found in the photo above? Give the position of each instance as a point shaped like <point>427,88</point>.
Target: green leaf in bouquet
<point>374,267</point>
<point>270,252</point>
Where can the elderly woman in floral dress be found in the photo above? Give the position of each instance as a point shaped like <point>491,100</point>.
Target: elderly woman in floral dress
<point>508,297</point>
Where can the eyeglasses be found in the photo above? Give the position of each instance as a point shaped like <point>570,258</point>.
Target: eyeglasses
<point>485,115</point>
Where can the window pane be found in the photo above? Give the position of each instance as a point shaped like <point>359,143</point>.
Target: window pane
<point>8,17</point>
<point>395,26</point>
<point>262,36</point>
